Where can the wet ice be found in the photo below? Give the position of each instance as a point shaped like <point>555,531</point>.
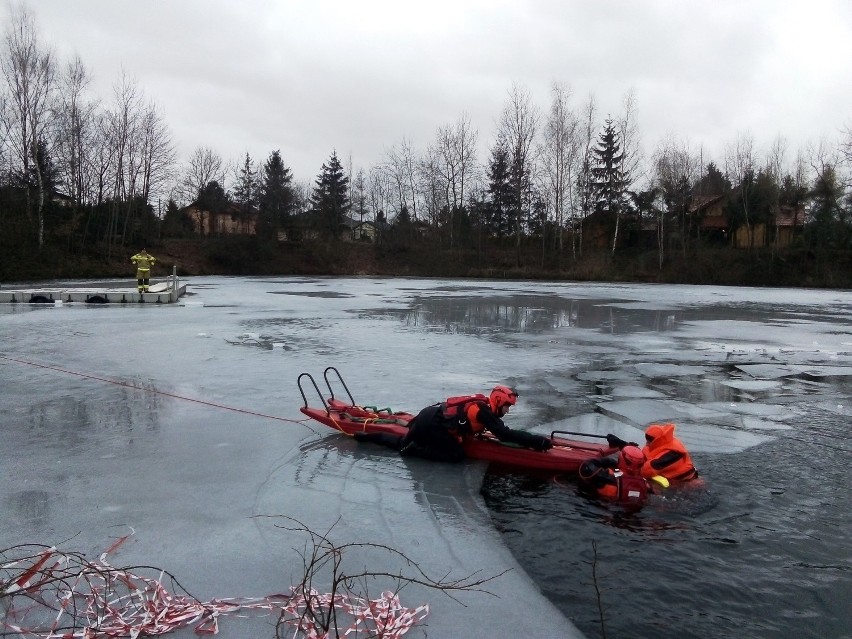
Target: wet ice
<point>81,458</point>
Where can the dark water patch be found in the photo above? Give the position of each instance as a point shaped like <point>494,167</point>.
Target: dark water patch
<point>322,294</point>
<point>763,551</point>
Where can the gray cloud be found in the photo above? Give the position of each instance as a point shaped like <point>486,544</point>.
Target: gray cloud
<point>310,77</point>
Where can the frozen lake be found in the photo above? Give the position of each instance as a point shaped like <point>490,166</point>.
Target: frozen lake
<point>180,423</point>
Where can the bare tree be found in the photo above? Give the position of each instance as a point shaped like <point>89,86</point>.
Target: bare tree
<point>400,170</point>
<point>75,125</point>
<point>204,166</point>
<point>846,146</point>
<point>740,165</point>
<point>589,124</point>
<point>676,172</point>
<point>122,131</point>
<point>630,153</point>
<point>30,77</point>
<point>379,189</point>
<point>518,127</point>
<point>559,155</point>
<point>431,185</point>
<point>157,155</point>
<point>455,149</point>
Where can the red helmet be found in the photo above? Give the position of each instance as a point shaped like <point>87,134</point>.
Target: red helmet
<point>630,460</point>
<point>502,396</point>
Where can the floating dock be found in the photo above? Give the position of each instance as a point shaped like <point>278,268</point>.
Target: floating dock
<point>166,291</point>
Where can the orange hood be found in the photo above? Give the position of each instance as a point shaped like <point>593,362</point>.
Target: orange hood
<point>662,434</point>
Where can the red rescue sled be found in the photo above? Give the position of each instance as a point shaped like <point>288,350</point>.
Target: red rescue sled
<point>350,418</point>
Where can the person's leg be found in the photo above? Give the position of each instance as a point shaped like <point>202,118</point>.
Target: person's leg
<point>427,438</point>
<point>384,439</point>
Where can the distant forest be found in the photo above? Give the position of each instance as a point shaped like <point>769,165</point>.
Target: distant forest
<point>562,193</point>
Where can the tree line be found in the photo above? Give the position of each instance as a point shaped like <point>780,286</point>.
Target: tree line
<point>84,174</point>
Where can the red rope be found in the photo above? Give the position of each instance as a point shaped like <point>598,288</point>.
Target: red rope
<point>153,390</point>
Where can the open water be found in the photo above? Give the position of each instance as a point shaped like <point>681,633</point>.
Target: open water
<point>758,381</point>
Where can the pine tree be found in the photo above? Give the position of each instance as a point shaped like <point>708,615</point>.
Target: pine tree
<point>498,219</point>
<point>276,198</point>
<point>247,189</point>
<point>608,179</point>
<point>330,199</point>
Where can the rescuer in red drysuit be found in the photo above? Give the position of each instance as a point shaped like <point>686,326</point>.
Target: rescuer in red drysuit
<point>437,432</point>
<point>617,480</point>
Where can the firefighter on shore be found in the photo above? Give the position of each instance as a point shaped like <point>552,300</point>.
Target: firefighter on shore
<point>438,431</point>
<point>143,262</point>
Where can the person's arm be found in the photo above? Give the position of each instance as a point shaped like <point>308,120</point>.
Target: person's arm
<point>505,434</point>
<point>666,460</point>
<point>617,442</point>
<point>593,471</point>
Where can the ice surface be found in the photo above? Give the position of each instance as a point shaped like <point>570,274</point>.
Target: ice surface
<point>181,421</point>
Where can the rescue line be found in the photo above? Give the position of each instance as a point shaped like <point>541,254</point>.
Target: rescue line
<point>157,391</point>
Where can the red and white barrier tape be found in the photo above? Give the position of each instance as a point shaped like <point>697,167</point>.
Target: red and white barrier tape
<point>95,600</point>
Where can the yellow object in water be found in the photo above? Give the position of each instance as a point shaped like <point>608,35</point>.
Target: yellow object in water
<point>662,481</point>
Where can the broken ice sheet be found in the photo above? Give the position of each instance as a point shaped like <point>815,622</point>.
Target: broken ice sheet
<point>669,370</point>
<point>642,412</point>
<point>751,386</point>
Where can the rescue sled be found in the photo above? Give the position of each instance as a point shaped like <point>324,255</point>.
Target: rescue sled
<point>347,417</point>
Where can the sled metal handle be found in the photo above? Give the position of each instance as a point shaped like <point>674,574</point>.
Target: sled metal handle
<point>336,372</point>
<point>316,388</point>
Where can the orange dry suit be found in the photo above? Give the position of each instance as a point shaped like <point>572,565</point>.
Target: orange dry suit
<point>666,455</point>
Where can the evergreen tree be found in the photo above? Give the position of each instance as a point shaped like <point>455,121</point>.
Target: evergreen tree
<point>276,198</point>
<point>712,183</point>
<point>247,189</point>
<point>212,198</point>
<point>498,220</point>
<point>360,198</point>
<point>830,224</point>
<point>330,198</point>
<point>608,179</point>
<point>175,223</point>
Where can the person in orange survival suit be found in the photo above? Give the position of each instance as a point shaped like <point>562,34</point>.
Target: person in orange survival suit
<point>618,480</point>
<point>666,455</point>
<point>437,432</point>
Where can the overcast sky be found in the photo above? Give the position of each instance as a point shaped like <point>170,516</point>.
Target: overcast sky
<point>308,77</point>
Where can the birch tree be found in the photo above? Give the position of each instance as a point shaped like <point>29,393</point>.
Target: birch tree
<point>559,155</point>
<point>676,172</point>
<point>431,185</point>
<point>29,73</point>
<point>630,160</point>
<point>740,166</point>
<point>584,183</point>
<point>455,145</point>
<point>402,171</point>
<point>518,127</point>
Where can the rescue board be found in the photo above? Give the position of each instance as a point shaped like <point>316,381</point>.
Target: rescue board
<point>161,287</point>
<point>348,418</point>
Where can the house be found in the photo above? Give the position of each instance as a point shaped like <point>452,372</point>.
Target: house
<point>233,220</point>
<point>709,212</point>
<point>358,231</point>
